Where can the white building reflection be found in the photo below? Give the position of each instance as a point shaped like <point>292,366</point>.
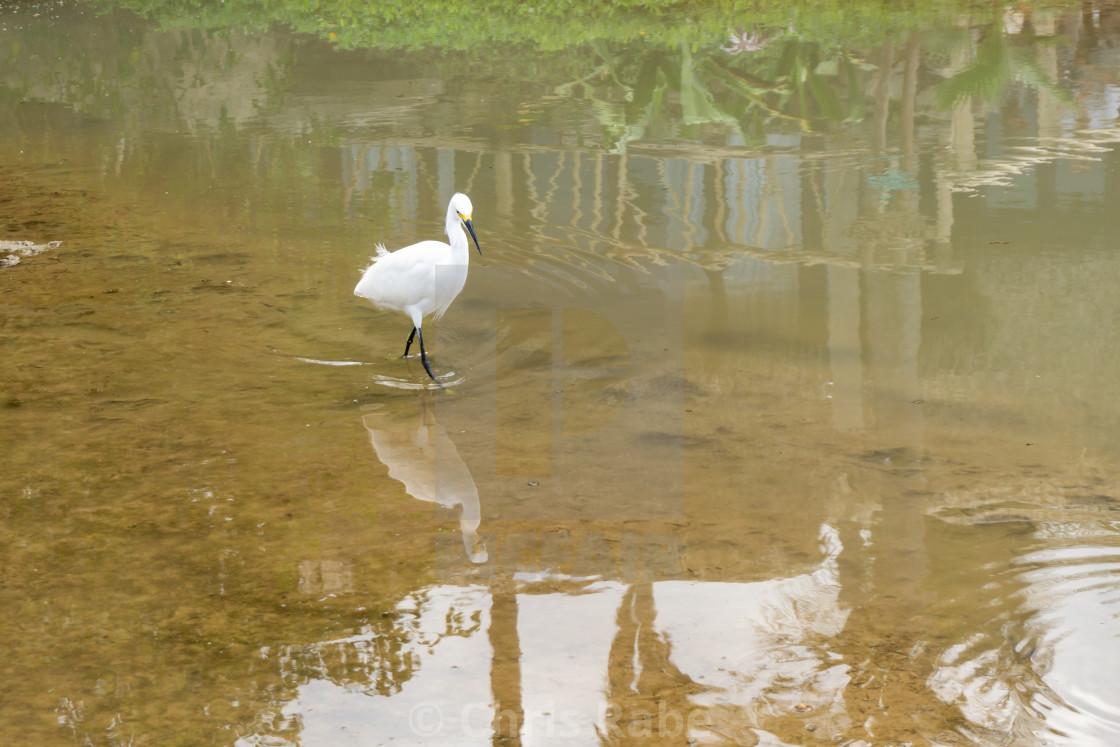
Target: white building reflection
<point>445,702</point>
<point>606,661</point>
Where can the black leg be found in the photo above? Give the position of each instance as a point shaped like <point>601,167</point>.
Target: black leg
<point>408,344</point>
<point>424,357</point>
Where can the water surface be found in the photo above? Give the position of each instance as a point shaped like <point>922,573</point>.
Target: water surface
<point>781,406</point>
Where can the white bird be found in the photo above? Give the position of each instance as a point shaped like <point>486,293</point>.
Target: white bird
<point>408,281</point>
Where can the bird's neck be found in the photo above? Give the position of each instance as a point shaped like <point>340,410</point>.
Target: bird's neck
<point>458,237</point>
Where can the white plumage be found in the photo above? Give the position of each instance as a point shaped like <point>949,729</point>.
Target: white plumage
<point>424,278</point>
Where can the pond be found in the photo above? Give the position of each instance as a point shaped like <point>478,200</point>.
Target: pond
<point>780,406</point>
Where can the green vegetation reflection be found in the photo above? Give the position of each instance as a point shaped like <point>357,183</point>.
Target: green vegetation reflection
<point>747,67</point>
<point>551,25</point>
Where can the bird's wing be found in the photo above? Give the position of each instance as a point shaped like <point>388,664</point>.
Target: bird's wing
<point>401,278</point>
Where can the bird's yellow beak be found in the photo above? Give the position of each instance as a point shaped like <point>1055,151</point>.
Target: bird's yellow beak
<point>470,229</point>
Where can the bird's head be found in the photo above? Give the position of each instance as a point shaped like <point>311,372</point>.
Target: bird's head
<point>463,208</point>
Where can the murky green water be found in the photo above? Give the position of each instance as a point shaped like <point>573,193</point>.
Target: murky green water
<point>782,406</point>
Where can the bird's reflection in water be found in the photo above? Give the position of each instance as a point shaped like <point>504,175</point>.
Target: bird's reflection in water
<point>420,454</point>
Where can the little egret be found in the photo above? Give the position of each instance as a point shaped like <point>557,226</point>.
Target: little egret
<point>407,280</point>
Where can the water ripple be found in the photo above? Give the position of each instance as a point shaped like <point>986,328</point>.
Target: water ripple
<point>1036,671</point>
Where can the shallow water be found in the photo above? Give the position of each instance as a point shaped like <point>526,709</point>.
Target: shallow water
<point>784,428</point>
